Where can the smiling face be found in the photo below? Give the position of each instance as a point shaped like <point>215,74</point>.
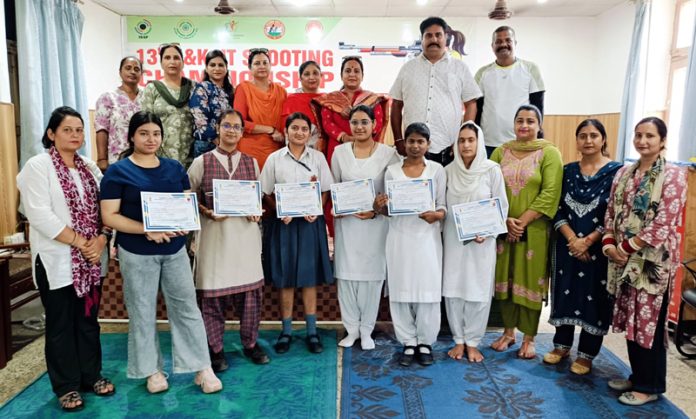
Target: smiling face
<point>310,79</point>
<point>147,139</point>
<point>468,145</point>
<point>298,132</point>
<point>260,67</point>
<point>230,132</point>
<point>352,75</point>
<point>416,145</point>
<point>69,135</point>
<point>130,72</point>
<point>589,141</point>
<point>647,141</point>
<point>526,125</point>
<point>361,126</point>
<point>433,42</point>
<point>217,70</point>
<point>172,63</point>
<point>504,46</point>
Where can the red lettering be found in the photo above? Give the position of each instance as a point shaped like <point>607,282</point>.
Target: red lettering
<point>201,56</point>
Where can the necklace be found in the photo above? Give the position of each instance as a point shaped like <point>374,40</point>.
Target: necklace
<point>372,150</point>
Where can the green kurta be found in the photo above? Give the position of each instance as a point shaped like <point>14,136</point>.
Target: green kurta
<point>533,182</point>
<point>177,124</point>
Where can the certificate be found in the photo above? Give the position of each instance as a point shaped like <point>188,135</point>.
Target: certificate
<point>353,197</point>
<point>482,218</point>
<point>236,198</point>
<point>298,199</point>
<point>170,211</point>
<point>409,197</point>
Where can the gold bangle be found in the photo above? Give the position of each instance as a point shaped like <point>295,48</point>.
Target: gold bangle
<point>72,242</point>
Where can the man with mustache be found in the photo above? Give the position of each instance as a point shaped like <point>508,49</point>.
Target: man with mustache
<point>436,89</point>
<point>507,83</point>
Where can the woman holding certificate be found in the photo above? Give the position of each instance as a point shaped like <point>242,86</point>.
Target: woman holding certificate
<point>153,260</point>
<point>60,197</point>
<point>360,262</point>
<point>416,199</point>
<point>469,267</point>
<point>533,173</point>
<point>228,258</point>
<point>642,243</point>
<point>579,269</point>
<point>295,183</point>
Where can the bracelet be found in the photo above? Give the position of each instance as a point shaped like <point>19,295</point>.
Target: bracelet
<point>72,242</point>
<point>606,248</point>
<point>108,234</point>
<point>627,247</point>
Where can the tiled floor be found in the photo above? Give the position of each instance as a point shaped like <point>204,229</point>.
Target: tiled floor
<point>28,364</point>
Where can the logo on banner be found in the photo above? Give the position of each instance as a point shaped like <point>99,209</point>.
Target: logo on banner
<point>185,29</point>
<point>143,28</point>
<point>232,26</point>
<point>274,29</point>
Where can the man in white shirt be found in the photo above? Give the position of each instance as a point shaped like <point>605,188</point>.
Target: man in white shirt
<point>507,83</point>
<point>433,88</point>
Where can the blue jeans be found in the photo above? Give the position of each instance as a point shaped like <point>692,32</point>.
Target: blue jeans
<point>143,275</point>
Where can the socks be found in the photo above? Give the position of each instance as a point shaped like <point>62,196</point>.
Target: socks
<point>311,320</point>
<point>287,326</point>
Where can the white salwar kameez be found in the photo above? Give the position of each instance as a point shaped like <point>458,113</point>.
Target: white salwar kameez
<point>468,274</point>
<point>360,261</point>
<point>414,265</point>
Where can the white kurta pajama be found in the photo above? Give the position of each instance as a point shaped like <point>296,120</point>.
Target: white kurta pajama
<point>469,269</point>
<point>360,261</point>
<point>414,265</point>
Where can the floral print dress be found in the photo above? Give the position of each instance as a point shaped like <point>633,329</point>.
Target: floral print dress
<point>113,113</point>
<point>207,103</point>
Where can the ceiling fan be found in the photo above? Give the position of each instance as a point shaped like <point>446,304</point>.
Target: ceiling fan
<point>224,8</point>
<point>500,11</point>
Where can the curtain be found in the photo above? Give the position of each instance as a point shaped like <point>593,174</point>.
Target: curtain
<point>4,69</point>
<point>51,71</point>
<point>635,79</point>
<point>687,130</point>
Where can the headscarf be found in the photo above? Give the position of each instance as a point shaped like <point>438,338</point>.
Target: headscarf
<point>462,183</point>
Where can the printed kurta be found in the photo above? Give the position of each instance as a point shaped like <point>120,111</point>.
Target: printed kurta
<point>532,182</point>
<point>636,311</point>
<point>112,114</point>
<point>414,247</point>
<point>177,124</point>
<point>359,244</point>
<point>207,103</point>
<point>578,289</point>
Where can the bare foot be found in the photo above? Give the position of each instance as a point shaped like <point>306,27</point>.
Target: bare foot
<point>503,342</point>
<point>474,354</point>
<point>457,352</point>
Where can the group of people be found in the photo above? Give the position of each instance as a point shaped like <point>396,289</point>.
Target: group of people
<point>599,234</point>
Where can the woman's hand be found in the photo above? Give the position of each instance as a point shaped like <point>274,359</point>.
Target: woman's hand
<point>93,248</point>
<point>347,138</point>
<point>310,218</point>
<point>277,136</point>
<point>431,216</point>
<point>366,215</point>
<point>479,239</point>
<point>286,220</point>
<point>211,214</point>
<point>515,226</point>
<point>381,201</point>
<point>159,237</point>
<point>253,218</point>
<point>617,257</point>
<point>577,247</point>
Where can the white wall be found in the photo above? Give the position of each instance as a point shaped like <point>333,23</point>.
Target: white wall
<point>101,45</point>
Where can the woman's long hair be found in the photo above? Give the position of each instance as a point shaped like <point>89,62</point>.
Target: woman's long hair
<point>138,120</point>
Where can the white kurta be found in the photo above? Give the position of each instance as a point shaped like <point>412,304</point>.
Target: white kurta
<point>469,269</point>
<point>229,251</point>
<point>414,247</point>
<point>359,244</point>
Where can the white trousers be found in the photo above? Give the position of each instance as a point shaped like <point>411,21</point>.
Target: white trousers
<point>467,320</point>
<point>415,323</point>
<point>359,302</point>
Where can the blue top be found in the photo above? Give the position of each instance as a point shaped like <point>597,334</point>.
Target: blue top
<point>125,180</point>
<point>207,103</point>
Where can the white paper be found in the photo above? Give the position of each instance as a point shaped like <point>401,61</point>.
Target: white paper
<point>482,218</point>
<point>170,211</point>
<point>409,197</point>
<point>298,199</point>
<point>236,198</point>
<point>353,197</point>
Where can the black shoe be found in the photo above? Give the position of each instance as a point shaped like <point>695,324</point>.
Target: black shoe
<point>407,359</point>
<point>218,361</point>
<point>257,355</point>
<point>283,343</point>
<point>314,344</point>
<point>425,359</point>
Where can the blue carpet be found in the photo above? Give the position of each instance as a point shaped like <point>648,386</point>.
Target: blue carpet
<point>297,384</point>
<point>503,386</point>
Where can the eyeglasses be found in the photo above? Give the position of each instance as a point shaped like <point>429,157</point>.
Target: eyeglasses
<point>253,51</point>
<point>358,122</point>
<point>229,127</point>
<point>352,57</point>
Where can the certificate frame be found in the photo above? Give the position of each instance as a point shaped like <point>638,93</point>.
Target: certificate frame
<point>281,209</point>
<point>338,209</point>
<point>395,210</point>
<point>191,204</point>
<point>496,228</point>
<point>219,184</point>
